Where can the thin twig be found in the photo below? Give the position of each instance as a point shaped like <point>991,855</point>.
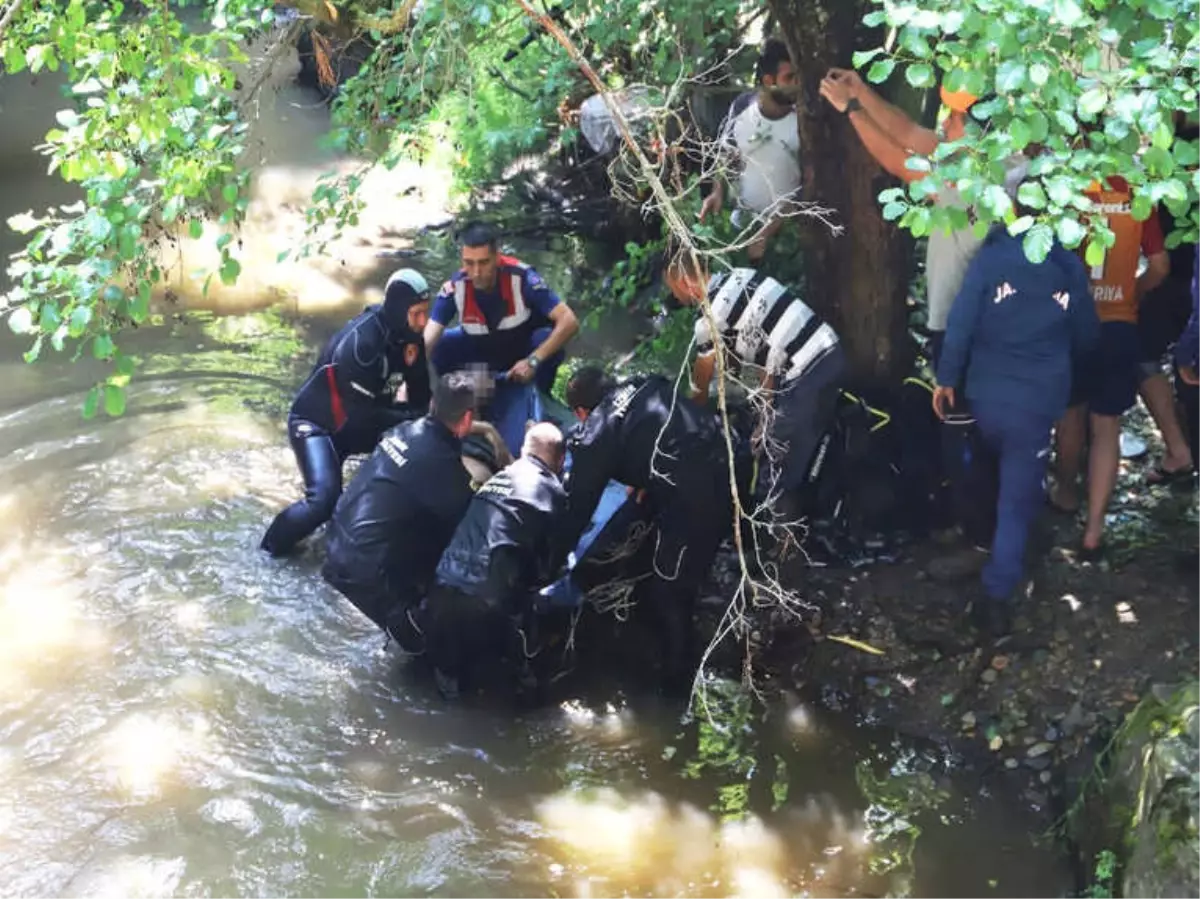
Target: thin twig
<point>10,13</point>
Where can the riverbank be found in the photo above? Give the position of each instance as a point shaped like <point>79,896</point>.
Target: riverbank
<point>1032,711</point>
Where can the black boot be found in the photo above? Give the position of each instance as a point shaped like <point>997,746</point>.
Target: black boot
<point>992,617</point>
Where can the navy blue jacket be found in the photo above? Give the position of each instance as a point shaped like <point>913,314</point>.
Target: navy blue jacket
<point>1187,351</point>
<point>1015,328</point>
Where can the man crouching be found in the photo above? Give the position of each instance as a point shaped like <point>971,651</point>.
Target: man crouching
<point>506,545</point>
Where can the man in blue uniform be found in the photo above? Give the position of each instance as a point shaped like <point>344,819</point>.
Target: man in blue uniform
<point>345,405</point>
<point>508,318</point>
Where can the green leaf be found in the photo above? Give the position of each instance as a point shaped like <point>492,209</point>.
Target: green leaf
<point>919,75</point>
<point>1060,191</point>
<point>1164,134</point>
<point>1092,102</point>
<point>862,57</point>
<point>139,309</point>
<point>1141,207</point>
<point>1070,232</point>
<point>114,400</point>
<point>1010,76</point>
<point>81,316</point>
<point>1039,74</point>
<point>102,346</point>
<point>68,118</point>
<point>1094,255</point>
<point>1020,133</point>
<point>997,200</point>
<point>1021,225</point>
<point>200,86</point>
<point>14,59</point>
<point>881,70</point>
<point>1037,243</point>
<point>1068,12</point>
<point>1030,194</point>
<point>91,402</point>
<point>20,321</point>
<point>893,211</point>
<point>230,269</point>
<point>196,229</point>
<point>125,365</point>
<point>917,164</point>
<point>282,257</point>
<point>229,192</point>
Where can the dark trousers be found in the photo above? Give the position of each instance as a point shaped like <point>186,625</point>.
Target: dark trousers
<point>464,632</point>
<point>971,471</point>
<point>1019,444</point>
<point>320,464</point>
<point>456,350</point>
<point>692,519</point>
<point>1189,397</point>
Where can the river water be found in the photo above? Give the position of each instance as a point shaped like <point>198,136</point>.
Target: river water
<point>180,715</point>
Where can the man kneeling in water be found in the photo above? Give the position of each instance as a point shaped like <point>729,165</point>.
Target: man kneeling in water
<point>392,523</point>
<point>506,545</point>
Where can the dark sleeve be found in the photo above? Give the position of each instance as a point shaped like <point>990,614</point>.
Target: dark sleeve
<point>1153,241</point>
<point>1081,308</point>
<point>589,476</point>
<point>1188,348</point>
<point>359,365</point>
<point>554,546</point>
<point>444,309</point>
<point>963,320</point>
<point>537,293</point>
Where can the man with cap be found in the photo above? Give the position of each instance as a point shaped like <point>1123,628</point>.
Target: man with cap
<point>345,405</point>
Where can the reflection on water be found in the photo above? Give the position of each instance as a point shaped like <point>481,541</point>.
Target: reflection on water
<point>181,715</point>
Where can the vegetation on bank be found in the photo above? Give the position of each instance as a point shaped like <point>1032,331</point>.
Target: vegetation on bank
<point>156,113</point>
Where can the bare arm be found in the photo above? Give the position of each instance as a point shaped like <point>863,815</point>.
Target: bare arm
<point>1158,267</point>
<point>702,375</point>
<point>433,333</point>
<point>886,151</point>
<point>566,326</point>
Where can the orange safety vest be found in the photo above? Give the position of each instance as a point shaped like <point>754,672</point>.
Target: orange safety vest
<point>1114,281</point>
<point>510,277</point>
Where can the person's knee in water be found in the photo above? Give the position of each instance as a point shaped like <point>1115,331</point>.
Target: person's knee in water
<point>508,543</point>
<point>508,318</point>
<point>390,526</point>
<point>347,403</point>
<point>639,433</point>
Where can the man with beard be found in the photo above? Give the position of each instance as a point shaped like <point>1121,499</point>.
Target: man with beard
<point>762,133</point>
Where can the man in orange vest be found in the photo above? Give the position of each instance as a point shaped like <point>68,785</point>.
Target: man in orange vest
<point>508,318</point>
<point>1106,384</point>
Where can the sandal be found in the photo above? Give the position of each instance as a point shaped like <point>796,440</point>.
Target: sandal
<point>1091,554</point>
<point>1162,477</point>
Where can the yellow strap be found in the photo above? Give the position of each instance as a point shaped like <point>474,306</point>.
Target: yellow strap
<point>754,476</point>
<point>884,418</point>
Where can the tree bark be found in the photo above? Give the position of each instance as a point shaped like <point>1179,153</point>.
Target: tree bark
<point>860,279</point>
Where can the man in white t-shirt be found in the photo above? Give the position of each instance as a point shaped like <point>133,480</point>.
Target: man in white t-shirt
<point>761,132</point>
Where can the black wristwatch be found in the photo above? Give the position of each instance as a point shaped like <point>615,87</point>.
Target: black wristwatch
<point>852,105</point>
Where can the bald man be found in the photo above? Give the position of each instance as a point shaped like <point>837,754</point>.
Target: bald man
<point>507,544</point>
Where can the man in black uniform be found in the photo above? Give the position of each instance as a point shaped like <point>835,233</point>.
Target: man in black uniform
<point>508,543</point>
<point>345,405</point>
<point>396,517</point>
<point>642,434</point>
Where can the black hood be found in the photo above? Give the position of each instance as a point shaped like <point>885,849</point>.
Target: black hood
<point>405,288</point>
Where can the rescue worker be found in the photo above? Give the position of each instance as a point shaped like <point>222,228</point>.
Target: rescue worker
<point>345,405</point>
<point>792,351</point>
<point>506,545</point>
<point>509,320</point>
<point>641,434</point>
<point>396,517</point>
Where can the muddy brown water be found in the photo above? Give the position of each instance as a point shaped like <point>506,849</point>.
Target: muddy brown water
<point>181,716</point>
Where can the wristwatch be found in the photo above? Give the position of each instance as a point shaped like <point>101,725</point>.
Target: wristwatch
<point>533,361</point>
<point>852,105</point>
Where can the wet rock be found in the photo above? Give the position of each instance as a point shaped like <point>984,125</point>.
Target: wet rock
<point>996,743</point>
<point>989,676</point>
<point>1073,720</point>
<point>1038,749</point>
<point>1051,734</point>
<point>1040,763</point>
<point>968,720</point>
<point>999,662</point>
<point>1011,763</point>
<point>1045,777</point>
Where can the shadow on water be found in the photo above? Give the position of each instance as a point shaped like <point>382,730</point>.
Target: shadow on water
<point>180,715</point>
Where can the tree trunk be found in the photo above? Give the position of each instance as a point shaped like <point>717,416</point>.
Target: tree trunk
<point>859,280</point>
